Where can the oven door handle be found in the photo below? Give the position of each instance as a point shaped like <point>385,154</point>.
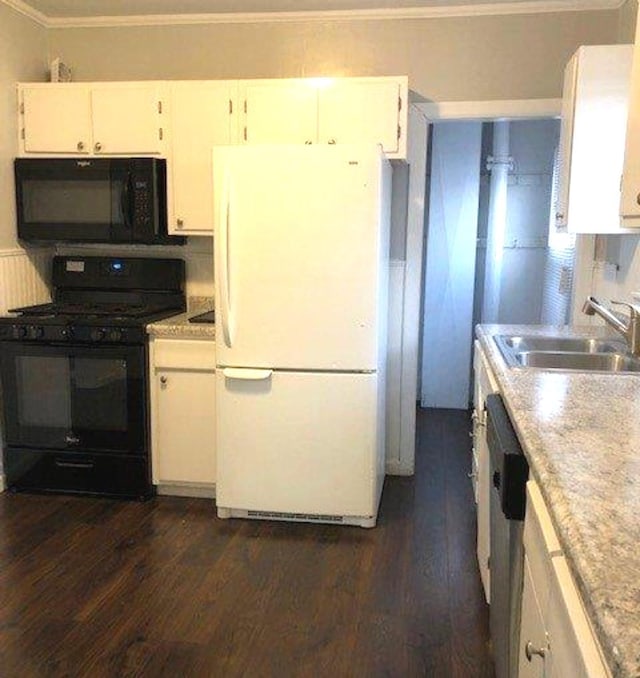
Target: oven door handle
<point>74,464</point>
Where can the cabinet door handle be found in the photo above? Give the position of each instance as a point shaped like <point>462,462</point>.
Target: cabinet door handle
<point>308,142</point>
<point>530,650</point>
<point>80,145</point>
<point>98,146</point>
<point>638,198</point>
<point>179,223</point>
<point>163,381</point>
<point>331,142</point>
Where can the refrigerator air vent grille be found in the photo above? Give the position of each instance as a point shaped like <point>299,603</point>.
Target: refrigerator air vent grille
<point>295,516</point>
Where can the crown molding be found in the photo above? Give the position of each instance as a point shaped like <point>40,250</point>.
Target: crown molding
<point>485,9</point>
<point>27,10</point>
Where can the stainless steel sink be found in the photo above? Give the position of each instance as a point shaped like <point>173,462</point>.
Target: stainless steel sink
<point>585,362</point>
<point>572,344</point>
<point>581,354</point>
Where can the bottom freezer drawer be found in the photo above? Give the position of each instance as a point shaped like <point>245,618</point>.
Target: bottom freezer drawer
<point>299,442</point>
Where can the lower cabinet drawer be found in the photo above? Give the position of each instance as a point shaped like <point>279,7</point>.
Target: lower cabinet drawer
<point>184,354</point>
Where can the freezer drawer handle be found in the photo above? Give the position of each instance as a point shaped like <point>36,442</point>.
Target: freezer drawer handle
<point>246,374</point>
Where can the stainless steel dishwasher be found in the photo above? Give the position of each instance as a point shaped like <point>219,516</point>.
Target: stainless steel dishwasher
<point>509,472</point>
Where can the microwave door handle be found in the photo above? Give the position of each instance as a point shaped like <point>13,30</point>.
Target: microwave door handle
<point>127,201</point>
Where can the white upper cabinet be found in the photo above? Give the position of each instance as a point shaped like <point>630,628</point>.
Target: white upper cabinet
<point>127,120</point>
<point>202,115</point>
<point>361,110</point>
<point>279,112</point>
<point>326,111</point>
<point>55,120</point>
<point>594,115</point>
<point>630,201</point>
<point>97,119</point>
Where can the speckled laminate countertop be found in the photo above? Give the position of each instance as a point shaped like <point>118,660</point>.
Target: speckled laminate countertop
<point>581,435</point>
<point>179,327</point>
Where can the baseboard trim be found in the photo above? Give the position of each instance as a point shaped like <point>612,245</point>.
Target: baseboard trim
<point>395,467</point>
<point>186,490</point>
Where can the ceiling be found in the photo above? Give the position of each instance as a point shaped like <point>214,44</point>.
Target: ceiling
<point>66,10</point>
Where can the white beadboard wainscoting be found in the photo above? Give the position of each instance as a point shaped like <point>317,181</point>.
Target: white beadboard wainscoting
<point>23,281</point>
<point>24,277</point>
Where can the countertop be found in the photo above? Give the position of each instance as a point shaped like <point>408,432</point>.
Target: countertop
<point>581,435</point>
<point>179,327</point>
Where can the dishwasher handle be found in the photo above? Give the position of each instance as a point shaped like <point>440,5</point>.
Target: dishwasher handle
<point>509,467</point>
<point>496,480</point>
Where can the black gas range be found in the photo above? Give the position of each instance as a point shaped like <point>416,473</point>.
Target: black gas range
<point>73,375</point>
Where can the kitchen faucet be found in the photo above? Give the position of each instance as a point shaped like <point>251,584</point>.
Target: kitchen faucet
<point>629,330</point>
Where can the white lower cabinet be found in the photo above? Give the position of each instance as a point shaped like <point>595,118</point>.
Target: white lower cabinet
<point>535,651</point>
<point>485,383</point>
<point>556,638</point>
<point>182,374</point>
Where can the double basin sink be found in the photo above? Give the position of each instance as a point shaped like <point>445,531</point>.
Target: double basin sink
<point>580,354</point>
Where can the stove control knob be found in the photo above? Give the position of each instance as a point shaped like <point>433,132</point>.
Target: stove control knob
<point>67,332</point>
<point>18,332</point>
<point>115,335</point>
<point>35,332</point>
<point>97,334</point>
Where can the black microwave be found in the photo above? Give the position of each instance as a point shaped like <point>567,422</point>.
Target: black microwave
<point>93,200</point>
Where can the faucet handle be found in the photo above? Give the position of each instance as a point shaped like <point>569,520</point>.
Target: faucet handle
<point>634,312</point>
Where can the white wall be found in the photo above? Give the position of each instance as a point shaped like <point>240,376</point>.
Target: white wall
<point>23,57</point>
<point>450,259</point>
<point>532,147</point>
<point>463,58</point>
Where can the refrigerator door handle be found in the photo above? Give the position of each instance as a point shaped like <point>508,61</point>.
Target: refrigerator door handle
<point>246,374</point>
<point>223,259</point>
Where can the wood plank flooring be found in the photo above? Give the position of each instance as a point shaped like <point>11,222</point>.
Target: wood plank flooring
<point>92,587</point>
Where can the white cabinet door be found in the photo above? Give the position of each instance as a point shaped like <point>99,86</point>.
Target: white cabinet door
<point>533,651</point>
<point>126,119</point>
<point>566,140</point>
<point>484,494</point>
<point>485,383</point>
<point>280,112</point>
<point>202,116</point>
<point>285,443</point>
<point>56,120</point>
<point>594,116</point>
<point>184,426</point>
<point>360,111</point>
<point>576,651</point>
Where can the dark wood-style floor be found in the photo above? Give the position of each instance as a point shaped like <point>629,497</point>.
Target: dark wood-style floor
<point>92,587</point>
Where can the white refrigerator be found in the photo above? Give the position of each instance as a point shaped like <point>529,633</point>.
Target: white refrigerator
<point>301,239</point>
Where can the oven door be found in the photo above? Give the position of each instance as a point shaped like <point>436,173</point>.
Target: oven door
<point>74,397</point>
<point>74,200</point>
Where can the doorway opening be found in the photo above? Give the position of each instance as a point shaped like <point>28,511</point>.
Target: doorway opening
<point>490,254</point>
